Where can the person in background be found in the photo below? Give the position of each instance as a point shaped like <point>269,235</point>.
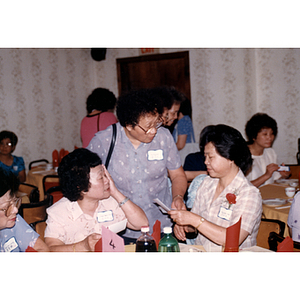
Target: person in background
<point>100,105</point>
<point>261,131</point>
<point>9,162</point>
<point>15,234</point>
<point>225,195</point>
<point>91,200</point>
<point>170,99</point>
<point>294,219</point>
<point>194,162</point>
<point>183,132</point>
<point>144,158</point>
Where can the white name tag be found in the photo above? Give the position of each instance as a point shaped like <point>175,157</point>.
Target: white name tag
<point>10,245</point>
<point>105,216</point>
<point>155,154</point>
<point>225,213</point>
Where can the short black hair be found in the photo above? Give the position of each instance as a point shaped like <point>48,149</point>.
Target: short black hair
<point>8,182</point>
<point>74,172</point>
<point>101,99</point>
<point>5,134</point>
<point>258,122</point>
<point>230,144</point>
<point>135,104</point>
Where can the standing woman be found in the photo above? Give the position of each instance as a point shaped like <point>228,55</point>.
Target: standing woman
<point>100,105</point>
<point>227,158</point>
<point>9,162</point>
<point>261,131</point>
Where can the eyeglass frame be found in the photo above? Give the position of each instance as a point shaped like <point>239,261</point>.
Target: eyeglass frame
<point>158,124</point>
<point>14,202</point>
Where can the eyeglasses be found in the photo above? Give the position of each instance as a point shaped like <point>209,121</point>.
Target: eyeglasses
<point>158,123</point>
<point>5,144</point>
<point>13,203</point>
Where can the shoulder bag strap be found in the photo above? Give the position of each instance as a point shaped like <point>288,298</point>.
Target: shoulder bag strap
<point>98,122</point>
<point>112,144</point>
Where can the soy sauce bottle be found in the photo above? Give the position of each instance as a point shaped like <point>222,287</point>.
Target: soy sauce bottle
<point>145,243</point>
<point>168,243</point>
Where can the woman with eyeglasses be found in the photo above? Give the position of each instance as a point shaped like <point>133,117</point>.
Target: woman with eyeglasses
<point>144,157</point>
<point>9,162</point>
<point>15,234</point>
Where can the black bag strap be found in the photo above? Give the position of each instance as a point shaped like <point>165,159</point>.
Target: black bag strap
<point>98,125</point>
<point>112,145</point>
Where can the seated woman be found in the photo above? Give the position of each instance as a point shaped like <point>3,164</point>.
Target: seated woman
<point>261,131</point>
<point>91,200</point>
<point>227,159</point>
<point>9,162</point>
<point>15,234</point>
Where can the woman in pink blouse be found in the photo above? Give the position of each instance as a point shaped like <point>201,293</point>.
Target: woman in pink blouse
<point>100,105</point>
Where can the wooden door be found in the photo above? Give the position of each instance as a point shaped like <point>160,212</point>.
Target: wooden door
<point>171,69</point>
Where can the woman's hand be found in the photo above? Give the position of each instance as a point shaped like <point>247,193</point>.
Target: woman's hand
<point>271,168</point>
<point>90,241</point>
<point>112,186</point>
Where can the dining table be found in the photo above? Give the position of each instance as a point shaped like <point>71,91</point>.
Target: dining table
<point>199,248</point>
<point>276,204</point>
<point>35,176</point>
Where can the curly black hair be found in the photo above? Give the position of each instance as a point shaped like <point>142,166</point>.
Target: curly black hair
<point>135,104</point>
<point>230,144</point>
<point>5,134</point>
<point>101,99</point>
<point>258,122</point>
<point>8,182</point>
<point>74,172</point>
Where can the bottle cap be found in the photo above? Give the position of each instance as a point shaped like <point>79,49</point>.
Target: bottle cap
<point>167,229</point>
<point>145,229</point>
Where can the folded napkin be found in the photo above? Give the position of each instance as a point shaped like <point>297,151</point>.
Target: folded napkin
<point>287,245</point>
<point>109,242</point>
<point>55,158</point>
<point>30,249</point>
<point>232,237</point>
<point>156,232</point>
<point>61,154</point>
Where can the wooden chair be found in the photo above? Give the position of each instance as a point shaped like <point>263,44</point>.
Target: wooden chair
<point>55,192</point>
<point>31,191</point>
<point>39,227</point>
<point>50,181</point>
<point>33,212</point>
<point>267,226</point>
<point>32,163</point>
<point>275,239</point>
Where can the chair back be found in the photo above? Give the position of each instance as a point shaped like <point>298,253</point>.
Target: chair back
<point>32,163</point>
<point>295,169</point>
<point>33,212</point>
<point>266,226</point>
<point>39,227</point>
<point>50,181</point>
<point>275,239</point>
<point>55,192</point>
<point>31,191</point>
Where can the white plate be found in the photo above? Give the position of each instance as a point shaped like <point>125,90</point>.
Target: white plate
<point>274,202</point>
<point>287,181</point>
<point>117,227</point>
<point>188,248</point>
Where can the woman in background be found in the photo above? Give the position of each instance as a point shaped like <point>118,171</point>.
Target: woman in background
<point>261,131</point>
<point>100,105</point>
<point>9,162</point>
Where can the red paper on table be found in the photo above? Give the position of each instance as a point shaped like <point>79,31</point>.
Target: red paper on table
<point>109,242</point>
<point>287,245</point>
<point>30,249</point>
<point>156,232</point>
<point>233,237</point>
<point>55,158</point>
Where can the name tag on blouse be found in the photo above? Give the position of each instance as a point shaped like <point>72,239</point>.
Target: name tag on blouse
<point>10,245</point>
<point>225,213</point>
<point>155,154</point>
<point>105,216</point>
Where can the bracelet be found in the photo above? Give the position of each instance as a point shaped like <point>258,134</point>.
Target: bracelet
<point>177,196</point>
<point>124,201</point>
<point>201,221</point>
<point>74,248</point>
